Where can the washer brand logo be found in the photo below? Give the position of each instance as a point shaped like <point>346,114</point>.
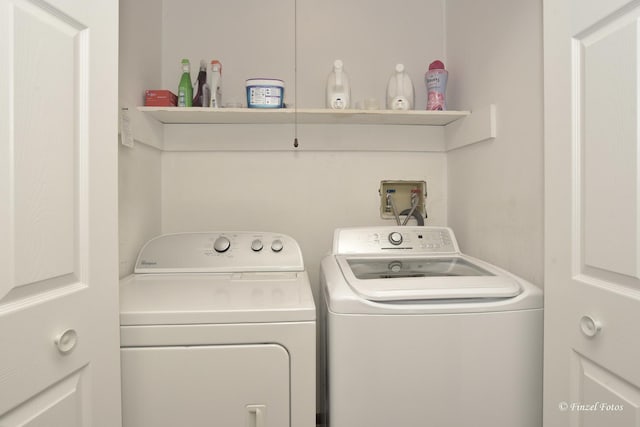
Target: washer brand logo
<point>144,262</point>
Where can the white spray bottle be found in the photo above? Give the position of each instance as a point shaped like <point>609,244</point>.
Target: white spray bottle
<point>338,90</point>
<point>215,81</point>
<point>400,90</point>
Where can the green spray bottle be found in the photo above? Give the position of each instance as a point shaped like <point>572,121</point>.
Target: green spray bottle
<point>185,89</point>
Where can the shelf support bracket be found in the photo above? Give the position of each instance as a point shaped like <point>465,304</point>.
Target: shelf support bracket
<point>479,126</point>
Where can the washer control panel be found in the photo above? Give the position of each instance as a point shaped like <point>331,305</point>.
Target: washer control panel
<point>408,240</point>
<point>220,252</point>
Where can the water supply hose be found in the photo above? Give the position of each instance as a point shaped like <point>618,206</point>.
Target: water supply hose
<point>415,214</point>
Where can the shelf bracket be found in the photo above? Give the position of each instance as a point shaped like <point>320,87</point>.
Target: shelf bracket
<point>477,127</point>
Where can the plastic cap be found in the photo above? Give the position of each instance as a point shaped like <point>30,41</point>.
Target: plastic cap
<point>216,66</point>
<point>185,61</point>
<point>436,65</point>
<point>337,64</point>
<point>399,68</point>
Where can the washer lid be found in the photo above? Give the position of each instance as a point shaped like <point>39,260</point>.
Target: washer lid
<point>215,298</point>
<point>410,278</point>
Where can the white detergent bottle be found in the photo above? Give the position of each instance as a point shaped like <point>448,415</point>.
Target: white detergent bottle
<point>215,81</point>
<point>338,90</point>
<point>400,90</point>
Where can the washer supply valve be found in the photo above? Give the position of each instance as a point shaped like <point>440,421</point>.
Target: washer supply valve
<point>393,206</point>
<point>414,205</point>
<point>402,200</point>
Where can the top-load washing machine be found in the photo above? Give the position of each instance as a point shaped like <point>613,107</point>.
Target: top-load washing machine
<point>419,334</point>
<point>218,329</point>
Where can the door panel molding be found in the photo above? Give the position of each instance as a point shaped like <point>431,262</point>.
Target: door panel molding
<point>606,196</point>
<point>54,406</point>
<point>600,397</point>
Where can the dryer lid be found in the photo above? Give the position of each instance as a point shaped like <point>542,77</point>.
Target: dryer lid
<point>411,278</point>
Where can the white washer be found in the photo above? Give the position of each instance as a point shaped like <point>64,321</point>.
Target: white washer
<point>418,334</point>
<point>218,329</point>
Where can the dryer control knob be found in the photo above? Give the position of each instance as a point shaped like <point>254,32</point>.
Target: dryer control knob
<point>256,245</point>
<point>222,244</point>
<point>276,245</point>
<point>395,238</point>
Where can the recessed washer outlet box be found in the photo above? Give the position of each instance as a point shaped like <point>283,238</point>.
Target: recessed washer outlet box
<point>400,192</point>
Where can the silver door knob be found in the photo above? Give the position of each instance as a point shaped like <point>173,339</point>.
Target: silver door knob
<point>589,326</point>
<point>66,341</point>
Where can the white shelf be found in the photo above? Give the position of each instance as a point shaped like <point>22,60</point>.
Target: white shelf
<point>434,131</point>
<point>200,115</point>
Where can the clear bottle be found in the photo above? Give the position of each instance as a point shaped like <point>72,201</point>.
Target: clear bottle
<point>198,99</point>
<point>185,90</point>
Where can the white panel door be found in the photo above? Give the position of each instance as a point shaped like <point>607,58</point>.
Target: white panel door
<point>592,213</point>
<point>59,345</point>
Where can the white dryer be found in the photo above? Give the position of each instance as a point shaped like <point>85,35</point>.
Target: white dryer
<point>218,329</point>
<point>418,334</point>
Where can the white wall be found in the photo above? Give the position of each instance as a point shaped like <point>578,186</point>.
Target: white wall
<point>304,194</point>
<point>495,189</point>
<point>139,167</point>
<point>307,193</point>
<point>254,38</point>
<point>370,38</point>
<point>493,52</point>
<point>139,197</point>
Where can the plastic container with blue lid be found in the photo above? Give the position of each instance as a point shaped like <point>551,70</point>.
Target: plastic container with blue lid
<point>265,93</point>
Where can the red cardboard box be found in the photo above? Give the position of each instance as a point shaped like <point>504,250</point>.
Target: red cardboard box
<point>160,98</point>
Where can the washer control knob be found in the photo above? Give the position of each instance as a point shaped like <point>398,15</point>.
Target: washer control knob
<point>395,238</point>
<point>395,266</point>
<point>276,245</point>
<point>222,244</point>
<point>256,245</point>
